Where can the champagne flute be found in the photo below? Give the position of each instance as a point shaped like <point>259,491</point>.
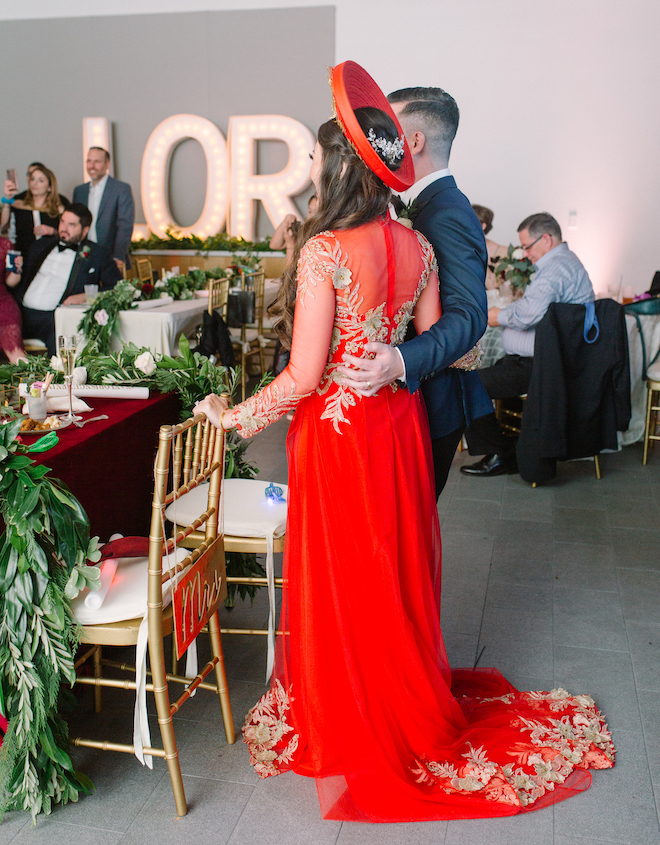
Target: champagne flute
<point>66,346</point>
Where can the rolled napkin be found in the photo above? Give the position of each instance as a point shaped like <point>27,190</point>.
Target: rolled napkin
<point>60,405</point>
<point>102,391</point>
<point>94,600</point>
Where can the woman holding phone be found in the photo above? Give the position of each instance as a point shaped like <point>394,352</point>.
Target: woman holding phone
<point>38,212</point>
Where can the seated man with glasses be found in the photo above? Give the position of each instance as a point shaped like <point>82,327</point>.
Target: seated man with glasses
<point>559,277</point>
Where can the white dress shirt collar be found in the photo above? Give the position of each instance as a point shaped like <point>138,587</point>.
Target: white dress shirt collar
<point>415,190</point>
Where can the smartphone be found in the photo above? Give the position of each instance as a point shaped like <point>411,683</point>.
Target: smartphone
<point>11,175</point>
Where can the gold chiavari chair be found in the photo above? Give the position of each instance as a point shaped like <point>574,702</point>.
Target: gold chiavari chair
<point>144,270</point>
<point>218,296</point>
<point>254,524</point>
<point>189,455</point>
<point>252,341</point>
<point>652,409</point>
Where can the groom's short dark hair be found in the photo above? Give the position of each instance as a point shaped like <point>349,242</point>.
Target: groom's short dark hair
<point>438,112</point>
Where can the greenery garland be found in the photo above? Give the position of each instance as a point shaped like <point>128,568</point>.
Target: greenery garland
<point>43,556</point>
<point>220,243</point>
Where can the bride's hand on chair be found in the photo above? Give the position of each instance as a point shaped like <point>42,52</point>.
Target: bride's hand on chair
<point>214,407</point>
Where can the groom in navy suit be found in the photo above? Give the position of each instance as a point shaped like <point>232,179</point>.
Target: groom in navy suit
<point>454,397</point>
<point>111,204</point>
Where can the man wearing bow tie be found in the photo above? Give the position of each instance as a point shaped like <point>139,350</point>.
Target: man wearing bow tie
<point>57,268</point>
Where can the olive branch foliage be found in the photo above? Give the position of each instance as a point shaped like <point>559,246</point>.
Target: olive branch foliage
<point>43,564</point>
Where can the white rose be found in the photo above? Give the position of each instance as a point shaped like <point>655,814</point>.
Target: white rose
<point>160,284</point>
<point>517,253</point>
<point>101,317</point>
<point>145,363</point>
<point>137,293</point>
<point>56,364</point>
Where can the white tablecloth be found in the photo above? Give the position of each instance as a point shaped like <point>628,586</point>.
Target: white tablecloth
<point>157,328</point>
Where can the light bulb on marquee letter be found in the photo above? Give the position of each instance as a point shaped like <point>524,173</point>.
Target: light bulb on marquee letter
<point>155,172</point>
<point>273,189</point>
<point>96,133</point>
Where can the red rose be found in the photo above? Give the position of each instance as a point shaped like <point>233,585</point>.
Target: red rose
<point>147,288</point>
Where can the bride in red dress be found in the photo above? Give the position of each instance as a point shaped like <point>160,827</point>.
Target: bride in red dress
<point>362,697</point>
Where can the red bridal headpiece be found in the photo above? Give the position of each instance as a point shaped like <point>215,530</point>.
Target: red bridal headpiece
<point>353,88</point>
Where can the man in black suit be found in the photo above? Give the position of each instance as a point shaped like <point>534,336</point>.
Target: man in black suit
<point>453,396</point>
<point>111,204</point>
<point>56,271</point>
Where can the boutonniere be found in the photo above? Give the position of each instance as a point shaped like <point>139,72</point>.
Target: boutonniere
<point>84,251</point>
<point>406,215</point>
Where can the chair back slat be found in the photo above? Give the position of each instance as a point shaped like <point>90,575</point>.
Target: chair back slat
<point>218,296</point>
<point>144,270</point>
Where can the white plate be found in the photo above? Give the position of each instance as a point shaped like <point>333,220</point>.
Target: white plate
<point>63,424</point>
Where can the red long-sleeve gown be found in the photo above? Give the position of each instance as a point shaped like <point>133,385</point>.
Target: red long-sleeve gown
<point>362,697</point>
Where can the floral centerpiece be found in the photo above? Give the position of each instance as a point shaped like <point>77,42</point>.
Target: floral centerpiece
<point>514,268</point>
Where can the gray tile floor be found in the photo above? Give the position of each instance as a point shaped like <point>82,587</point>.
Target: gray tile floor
<point>556,586</point>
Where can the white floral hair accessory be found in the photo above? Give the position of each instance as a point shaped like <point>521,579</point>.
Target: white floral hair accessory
<point>392,151</point>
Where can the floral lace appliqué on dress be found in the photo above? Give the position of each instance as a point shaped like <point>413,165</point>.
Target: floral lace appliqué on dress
<point>266,733</point>
<point>353,327</point>
<point>577,740</point>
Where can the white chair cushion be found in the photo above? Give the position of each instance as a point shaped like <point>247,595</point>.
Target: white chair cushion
<point>127,596</point>
<point>247,511</point>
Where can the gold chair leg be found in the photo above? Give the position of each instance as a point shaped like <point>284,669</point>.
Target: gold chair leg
<point>98,693</point>
<point>647,427</point>
<point>221,678</point>
<point>159,679</point>
<point>597,466</point>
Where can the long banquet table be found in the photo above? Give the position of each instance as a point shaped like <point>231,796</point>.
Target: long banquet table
<point>108,464</point>
<point>157,328</point>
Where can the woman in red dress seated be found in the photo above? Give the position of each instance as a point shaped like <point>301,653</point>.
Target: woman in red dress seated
<point>362,697</point>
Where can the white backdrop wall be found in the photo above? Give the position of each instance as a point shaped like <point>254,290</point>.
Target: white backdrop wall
<point>558,104</point>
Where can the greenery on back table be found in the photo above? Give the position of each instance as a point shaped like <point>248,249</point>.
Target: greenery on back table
<point>99,323</point>
<point>192,376</point>
<point>220,243</point>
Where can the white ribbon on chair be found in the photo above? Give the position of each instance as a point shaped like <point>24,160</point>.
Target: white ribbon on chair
<point>141,732</point>
<point>270,577</point>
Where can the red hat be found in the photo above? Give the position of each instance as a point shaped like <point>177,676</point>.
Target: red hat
<point>353,88</point>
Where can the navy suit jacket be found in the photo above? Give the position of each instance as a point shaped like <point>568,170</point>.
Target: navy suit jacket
<point>453,397</point>
<point>114,224</point>
<point>97,269</point>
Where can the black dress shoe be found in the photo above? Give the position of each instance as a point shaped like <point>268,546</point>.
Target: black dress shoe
<point>491,465</point>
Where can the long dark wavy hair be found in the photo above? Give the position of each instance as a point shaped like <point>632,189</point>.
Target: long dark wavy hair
<point>349,195</point>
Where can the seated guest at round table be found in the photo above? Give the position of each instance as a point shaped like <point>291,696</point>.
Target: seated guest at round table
<point>11,338</point>
<point>494,250</point>
<point>38,213</point>
<point>56,270</point>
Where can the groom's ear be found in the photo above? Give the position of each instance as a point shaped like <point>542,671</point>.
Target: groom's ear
<point>416,142</point>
